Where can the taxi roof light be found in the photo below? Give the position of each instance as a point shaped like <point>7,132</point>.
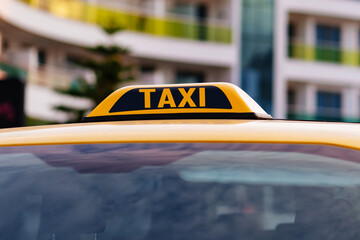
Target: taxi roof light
<point>177,101</point>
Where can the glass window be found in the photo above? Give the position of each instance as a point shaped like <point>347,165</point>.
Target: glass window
<point>291,96</point>
<point>329,105</point>
<point>291,35</point>
<point>257,50</point>
<point>5,45</point>
<point>328,35</point>
<point>328,43</point>
<point>179,191</point>
<point>145,69</point>
<point>189,77</point>
<point>42,57</point>
<point>183,9</point>
<point>198,11</point>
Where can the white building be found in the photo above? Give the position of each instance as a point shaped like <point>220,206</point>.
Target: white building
<point>316,60</point>
<point>172,41</point>
<point>297,58</point>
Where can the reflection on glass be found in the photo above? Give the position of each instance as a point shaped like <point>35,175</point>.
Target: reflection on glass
<point>179,191</point>
<point>257,50</point>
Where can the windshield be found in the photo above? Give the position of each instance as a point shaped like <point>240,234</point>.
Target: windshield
<point>179,191</point>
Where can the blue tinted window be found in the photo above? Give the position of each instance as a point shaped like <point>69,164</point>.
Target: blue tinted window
<point>328,44</point>
<point>329,104</point>
<point>257,50</point>
<point>328,35</point>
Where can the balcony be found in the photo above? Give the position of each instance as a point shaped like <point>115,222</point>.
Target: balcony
<point>326,53</point>
<point>57,77</point>
<point>113,18</point>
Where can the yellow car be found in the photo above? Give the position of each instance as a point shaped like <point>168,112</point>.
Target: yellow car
<point>182,162</point>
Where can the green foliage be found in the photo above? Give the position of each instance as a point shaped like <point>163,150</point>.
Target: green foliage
<point>110,68</point>
<point>113,27</point>
<point>108,51</point>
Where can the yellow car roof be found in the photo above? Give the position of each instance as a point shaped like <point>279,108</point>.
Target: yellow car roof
<point>167,131</point>
<point>207,112</point>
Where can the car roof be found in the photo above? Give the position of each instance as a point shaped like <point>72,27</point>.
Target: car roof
<point>201,131</point>
<point>201,113</point>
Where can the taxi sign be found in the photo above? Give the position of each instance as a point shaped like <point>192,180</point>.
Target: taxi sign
<point>178,101</point>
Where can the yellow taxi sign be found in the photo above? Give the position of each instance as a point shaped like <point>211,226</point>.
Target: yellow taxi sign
<point>178,101</point>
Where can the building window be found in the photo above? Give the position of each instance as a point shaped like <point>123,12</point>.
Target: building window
<point>294,110</point>
<point>291,40</point>
<point>146,69</point>
<point>197,12</point>
<point>189,77</point>
<point>5,45</point>
<point>257,50</point>
<point>147,74</point>
<point>73,60</point>
<point>291,96</point>
<point>42,57</point>
<point>329,105</point>
<point>328,43</point>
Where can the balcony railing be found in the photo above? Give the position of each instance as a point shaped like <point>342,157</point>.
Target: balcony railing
<point>107,17</point>
<point>57,77</point>
<point>316,117</point>
<point>326,53</point>
<point>297,112</point>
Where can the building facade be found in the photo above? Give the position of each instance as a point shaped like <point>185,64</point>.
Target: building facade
<point>296,58</point>
<point>170,41</point>
<point>316,60</point>
<point>300,59</point>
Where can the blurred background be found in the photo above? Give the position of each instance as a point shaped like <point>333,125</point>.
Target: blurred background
<point>299,59</point>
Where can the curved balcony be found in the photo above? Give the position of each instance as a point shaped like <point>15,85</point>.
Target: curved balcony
<point>59,77</point>
<point>112,18</point>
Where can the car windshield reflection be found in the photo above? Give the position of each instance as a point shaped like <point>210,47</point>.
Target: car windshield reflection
<point>201,191</point>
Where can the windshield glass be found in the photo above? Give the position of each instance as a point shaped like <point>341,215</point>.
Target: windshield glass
<point>179,191</point>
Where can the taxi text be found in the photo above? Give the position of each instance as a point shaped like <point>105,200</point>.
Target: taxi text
<point>168,99</point>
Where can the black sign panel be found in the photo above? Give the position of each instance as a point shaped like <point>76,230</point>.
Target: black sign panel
<point>172,98</point>
<point>11,103</point>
